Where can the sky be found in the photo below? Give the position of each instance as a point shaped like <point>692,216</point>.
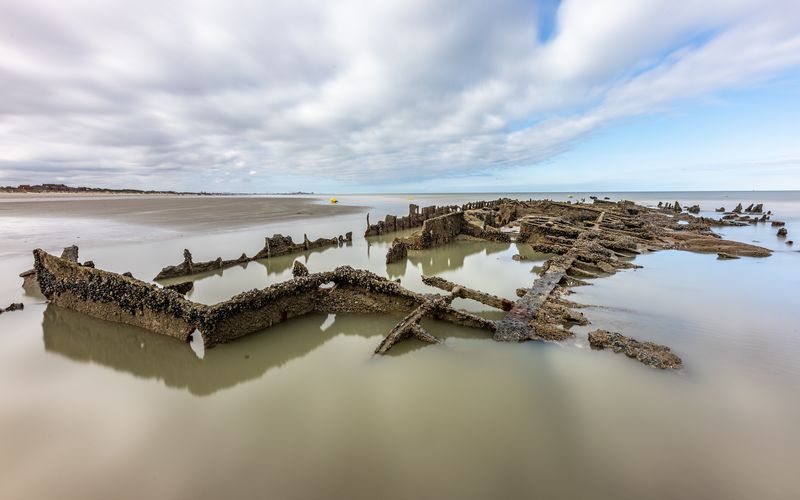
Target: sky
<point>401,95</point>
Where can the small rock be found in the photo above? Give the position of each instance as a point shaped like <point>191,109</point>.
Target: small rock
<point>181,288</point>
<point>70,253</point>
<point>299,269</point>
<point>726,256</point>
<point>738,209</point>
<point>16,306</point>
<point>720,209</point>
<point>777,223</point>
<point>782,232</point>
<point>655,355</point>
<point>397,252</point>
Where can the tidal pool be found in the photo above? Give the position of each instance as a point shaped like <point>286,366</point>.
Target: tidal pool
<point>91,409</point>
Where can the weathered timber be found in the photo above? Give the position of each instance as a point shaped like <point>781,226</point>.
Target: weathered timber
<point>587,241</point>
<point>468,293</point>
<point>114,297</point>
<point>514,327</point>
<point>423,335</point>
<point>273,247</point>
<point>416,217</point>
<point>405,327</point>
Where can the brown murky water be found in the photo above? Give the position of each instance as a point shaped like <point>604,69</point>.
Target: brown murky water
<point>90,409</point>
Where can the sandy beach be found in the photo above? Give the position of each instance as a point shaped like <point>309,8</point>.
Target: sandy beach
<point>200,213</point>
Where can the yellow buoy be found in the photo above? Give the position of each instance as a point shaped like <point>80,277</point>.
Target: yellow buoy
<point>334,200</point>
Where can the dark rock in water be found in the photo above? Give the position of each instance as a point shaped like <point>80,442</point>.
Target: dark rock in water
<point>694,209</point>
<point>519,257</point>
<point>777,223</point>
<point>397,252</point>
<point>70,253</point>
<point>181,288</point>
<point>726,256</point>
<point>757,209</point>
<point>660,204</point>
<point>299,269</point>
<point>16,306</point>
<point>655,355</point>
<point>677,207</point>
<point>720,209</point>
<point>738,209</point>
<point>88,263</point>
<point>749,208</point>
<point>128,274</point>
<point>789,242</point>
<point>782,231</point>
<point>606,198</point>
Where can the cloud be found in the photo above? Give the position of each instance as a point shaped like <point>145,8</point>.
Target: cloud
<point>177,94</point>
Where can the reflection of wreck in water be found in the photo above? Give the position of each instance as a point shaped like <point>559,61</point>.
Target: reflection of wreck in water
<point>586,241</point>
<point>125,348</point>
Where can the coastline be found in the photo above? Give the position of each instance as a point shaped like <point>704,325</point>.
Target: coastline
<point>174,212</point>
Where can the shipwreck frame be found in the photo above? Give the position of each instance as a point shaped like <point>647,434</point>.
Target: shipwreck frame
<point>585,240</point>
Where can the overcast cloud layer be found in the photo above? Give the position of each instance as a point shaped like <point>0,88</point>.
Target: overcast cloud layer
<point>200,94</point>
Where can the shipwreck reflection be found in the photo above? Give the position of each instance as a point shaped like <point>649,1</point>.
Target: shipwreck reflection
<point>151,356</point>
<point>147,355</point>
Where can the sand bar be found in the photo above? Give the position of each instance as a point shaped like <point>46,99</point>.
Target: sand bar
<point>174,212</point>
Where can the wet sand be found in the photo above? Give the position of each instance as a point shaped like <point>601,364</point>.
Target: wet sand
<point>199,213</point>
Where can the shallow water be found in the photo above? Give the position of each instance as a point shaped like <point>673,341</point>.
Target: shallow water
<point>90,409</point>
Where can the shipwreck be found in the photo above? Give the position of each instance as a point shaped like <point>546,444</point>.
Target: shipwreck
<point>584,241</point>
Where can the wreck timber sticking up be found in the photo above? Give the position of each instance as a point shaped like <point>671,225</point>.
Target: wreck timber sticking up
<point>468,293</point>
<point>588,241</point>
<point>273,247</point>
<point>410,324</point>
<point>123,299</point>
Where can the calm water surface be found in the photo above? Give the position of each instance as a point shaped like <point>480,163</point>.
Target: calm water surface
<point>90,409</point>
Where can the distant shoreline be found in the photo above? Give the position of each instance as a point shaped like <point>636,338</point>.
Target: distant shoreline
<point>182,213</point>
<point>63,189</point>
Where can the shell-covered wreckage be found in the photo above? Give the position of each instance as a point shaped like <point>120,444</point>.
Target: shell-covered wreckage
<point>585,240</point>
<point>274,246</point>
